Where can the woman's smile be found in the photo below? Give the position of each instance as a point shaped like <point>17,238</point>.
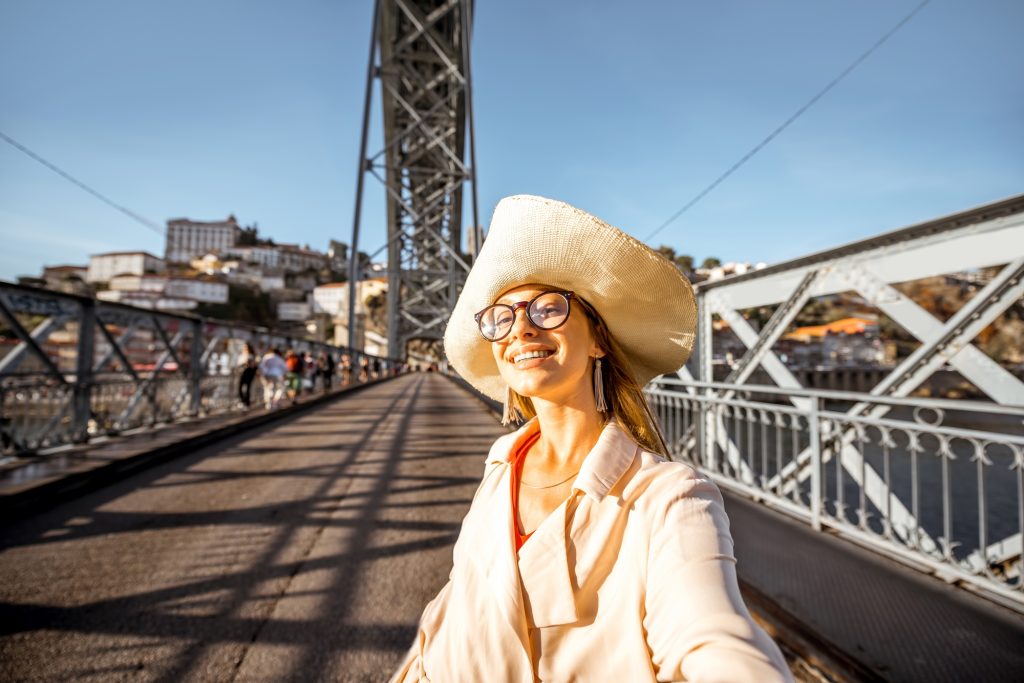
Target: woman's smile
<point>529,357</point>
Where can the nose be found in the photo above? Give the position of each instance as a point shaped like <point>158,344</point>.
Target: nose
<point>521,326</point>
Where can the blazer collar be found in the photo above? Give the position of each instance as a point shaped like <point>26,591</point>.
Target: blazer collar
<point>505,446</point>
<point>603,467</point>
<point>607,461</point>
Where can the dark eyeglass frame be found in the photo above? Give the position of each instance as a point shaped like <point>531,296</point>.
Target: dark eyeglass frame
<point>567,295</point>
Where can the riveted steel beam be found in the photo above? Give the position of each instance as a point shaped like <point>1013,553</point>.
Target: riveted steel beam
<point>420,54</point>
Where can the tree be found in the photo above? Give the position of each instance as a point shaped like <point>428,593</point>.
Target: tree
<point>667,251</point>
<point>244,305</point>
<point>683,262</point>
<point>248,237</point>
<point>711,262</point>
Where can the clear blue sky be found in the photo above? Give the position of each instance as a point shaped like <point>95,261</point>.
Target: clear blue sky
<point>201,109</point>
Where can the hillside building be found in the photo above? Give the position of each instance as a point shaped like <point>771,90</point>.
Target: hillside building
<point>188,239</point>
<point>104,267</point>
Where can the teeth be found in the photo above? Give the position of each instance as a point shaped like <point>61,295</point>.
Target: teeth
<point>531,354</point>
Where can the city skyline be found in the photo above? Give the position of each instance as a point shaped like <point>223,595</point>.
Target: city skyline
<point>256,111</point>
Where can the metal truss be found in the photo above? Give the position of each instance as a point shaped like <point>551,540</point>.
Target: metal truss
<point>88,368</point>
<point>419,52</point>
<point>986,237</point>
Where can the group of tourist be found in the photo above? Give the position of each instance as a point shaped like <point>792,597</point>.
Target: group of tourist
<point>291,373</point>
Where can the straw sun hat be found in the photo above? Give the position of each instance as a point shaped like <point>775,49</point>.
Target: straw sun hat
<point>645,301</point>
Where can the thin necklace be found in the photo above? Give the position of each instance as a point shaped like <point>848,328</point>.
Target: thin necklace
<point>549,486</point>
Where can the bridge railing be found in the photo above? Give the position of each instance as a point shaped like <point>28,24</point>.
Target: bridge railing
<point>73,368</point>
<point>938,484</point>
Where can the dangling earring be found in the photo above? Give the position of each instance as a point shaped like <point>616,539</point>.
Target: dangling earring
<point>602,406</point>
<point>507,413</point>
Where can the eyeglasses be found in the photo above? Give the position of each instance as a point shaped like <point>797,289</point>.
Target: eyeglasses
<point>546,311</point>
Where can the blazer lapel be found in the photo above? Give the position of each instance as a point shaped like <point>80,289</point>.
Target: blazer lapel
<point>544,570</point>
<point>495,549</point>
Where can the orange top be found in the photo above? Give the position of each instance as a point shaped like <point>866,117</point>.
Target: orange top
<point>517,470</point>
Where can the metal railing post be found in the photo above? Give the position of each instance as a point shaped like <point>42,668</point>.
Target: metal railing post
<point>705,373</point>
<point>813,427</point>
<point>81,411</point>
<point>196,369</point>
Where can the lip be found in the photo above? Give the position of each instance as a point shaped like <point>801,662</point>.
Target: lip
<point>531,362</point>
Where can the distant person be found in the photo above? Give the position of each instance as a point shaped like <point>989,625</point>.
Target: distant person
<point>310,371</point>
<point>364,369</point>
<point>293,380</point>
<point>249,365</point>
<point>586,554</point>
<point>376,368</point>
<point>327,367</point>
<point>272,372</point>
<point>346,369</point>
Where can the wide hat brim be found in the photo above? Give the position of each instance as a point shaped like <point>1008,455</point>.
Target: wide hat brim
<point>647,304</point>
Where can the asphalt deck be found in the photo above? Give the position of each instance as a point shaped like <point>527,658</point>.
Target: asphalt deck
<point>304,548</point>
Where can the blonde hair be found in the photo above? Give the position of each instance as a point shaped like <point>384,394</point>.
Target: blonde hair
<point>624,395</point>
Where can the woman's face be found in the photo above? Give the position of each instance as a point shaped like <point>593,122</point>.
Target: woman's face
<point>562,375</point>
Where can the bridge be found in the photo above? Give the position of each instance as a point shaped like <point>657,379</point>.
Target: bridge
<point>304,547</point>
<point>156,529</point>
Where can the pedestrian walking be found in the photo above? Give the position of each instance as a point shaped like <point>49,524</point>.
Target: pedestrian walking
<point>346,369</point>
<point>248,366</point>
<point>327,367</point>
<point>310,371</point>
<point>293,378</point>
<point>586,555</point>
<point>272,370</point>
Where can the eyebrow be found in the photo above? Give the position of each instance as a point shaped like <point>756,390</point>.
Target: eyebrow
<point>515,298</point>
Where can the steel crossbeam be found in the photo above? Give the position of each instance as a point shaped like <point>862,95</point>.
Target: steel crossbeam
<point>773,329</point>
<point>116,346</point>
<point>30,340</point>
<point>12,360</point>
<point>419,53</point>
<point>947,343</point>
<point>985,237</point>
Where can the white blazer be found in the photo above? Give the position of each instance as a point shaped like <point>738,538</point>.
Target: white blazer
<point>632,578</point>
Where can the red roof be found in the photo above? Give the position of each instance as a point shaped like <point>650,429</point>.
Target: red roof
<point>843,326</point>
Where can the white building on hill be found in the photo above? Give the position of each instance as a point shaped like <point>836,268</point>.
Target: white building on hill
<point>103,267</point>
<point>188,239</point>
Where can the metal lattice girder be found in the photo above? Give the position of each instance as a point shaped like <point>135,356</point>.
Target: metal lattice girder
<point>116,346</point>
<point>944,343</point>
<point>30,339</point>
<point>420,54</point>
<point>12,360</point>
<point>984,237</point>
<point>991,235</point>
<point>773,329</point>
<point>949,342</point>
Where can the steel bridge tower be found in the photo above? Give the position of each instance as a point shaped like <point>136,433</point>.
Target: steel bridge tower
<point>419,51</point>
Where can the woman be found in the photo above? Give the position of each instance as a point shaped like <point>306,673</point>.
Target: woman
<point>586,555</point>
<point>247,364</point>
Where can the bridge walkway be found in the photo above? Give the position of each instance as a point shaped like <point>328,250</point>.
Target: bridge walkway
<point>305,550</point>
